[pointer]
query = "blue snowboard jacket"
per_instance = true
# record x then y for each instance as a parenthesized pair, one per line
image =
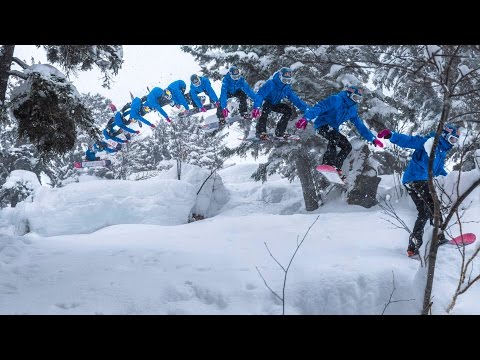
(153, 100)
(119, 122)
(90, 155)
(417, 168)
(178, 88)
(135, 113)
(206, 87)
(274, 91)
(230, 86)
(334, 111)
(106, 135)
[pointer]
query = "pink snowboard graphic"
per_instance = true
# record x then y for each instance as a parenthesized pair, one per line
(330, 174)
(465, 239)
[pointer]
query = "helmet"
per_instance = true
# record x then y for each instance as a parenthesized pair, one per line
(195, 79)
(100, 145)
(144, 109)
(167, 94)
(450, 133)
(286, 75)
(355, 93)
(234, 73)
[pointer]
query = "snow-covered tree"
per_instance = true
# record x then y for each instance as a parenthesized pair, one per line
(319, 71)
(19, 185)
(45, 103)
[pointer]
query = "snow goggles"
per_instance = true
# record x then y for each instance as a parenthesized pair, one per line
(167, 94)
(357, 98)
(196, 81)
(235, 74)
(452, 139)
(286, 77)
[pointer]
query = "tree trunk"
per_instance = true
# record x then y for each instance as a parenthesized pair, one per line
(6, 56)
(432, 252)
(179, 169)
(304, 171)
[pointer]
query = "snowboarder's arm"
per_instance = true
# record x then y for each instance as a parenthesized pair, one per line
(407, 141)
(364, 131)
(322, 106)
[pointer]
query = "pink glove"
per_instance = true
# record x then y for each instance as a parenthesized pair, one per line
(225, 113)
(385, 133)
(153, 126)
(137, 132)
(301, 124)
(202, 109)
(217, 104)
(168, 120)
(112, 107)
(377, 142)
(255, 113)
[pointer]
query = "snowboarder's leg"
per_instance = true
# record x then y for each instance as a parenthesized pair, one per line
(345, 148)
(262, 120)
(330, 155)
(287, 114)
(418, 191)
(242, 99)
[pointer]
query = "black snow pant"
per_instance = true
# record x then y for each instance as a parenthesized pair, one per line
(334, 139)
(420, 194)
(242, 106)
(267, 108)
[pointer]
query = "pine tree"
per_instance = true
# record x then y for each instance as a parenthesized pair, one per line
(320, 71)
(46, 105)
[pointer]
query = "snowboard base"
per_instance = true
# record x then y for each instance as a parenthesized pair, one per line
(464, 239)
(92, 164)
(196, 110)
(330, 173)
(214, 125)
(272, 138)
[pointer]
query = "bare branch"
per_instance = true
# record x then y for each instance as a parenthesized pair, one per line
(390, 301)
(268, 287)
(17, 73)
(22, 64)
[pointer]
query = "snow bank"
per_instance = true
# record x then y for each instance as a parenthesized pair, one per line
(213, 194)
(86, 207)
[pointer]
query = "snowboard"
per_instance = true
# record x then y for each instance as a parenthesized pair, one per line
(196, 110)
(112, 144)
(330, 173)
(91, 164)
(214, 125)
(272, 138)
(460, 240)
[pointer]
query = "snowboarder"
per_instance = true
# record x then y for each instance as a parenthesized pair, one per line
(200, 84)
(90, 154)
(328, 115)
(271, 94)
(234, 85)
(118, 125)
(415, 177)
(157, 98)
(177, 90)
(137, 110)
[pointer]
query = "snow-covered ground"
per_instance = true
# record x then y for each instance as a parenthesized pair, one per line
(125, 247)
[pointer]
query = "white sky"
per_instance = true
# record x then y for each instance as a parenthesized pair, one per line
(124, 247)
(144, 65)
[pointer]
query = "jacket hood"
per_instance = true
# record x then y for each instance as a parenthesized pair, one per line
(344, 95)
(277, 81)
